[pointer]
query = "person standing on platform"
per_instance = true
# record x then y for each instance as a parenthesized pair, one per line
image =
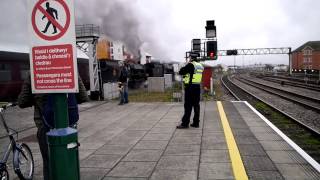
(27, 99)
(123, 80)
(192, 76)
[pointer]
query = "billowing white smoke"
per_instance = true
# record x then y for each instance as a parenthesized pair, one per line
(119, 20)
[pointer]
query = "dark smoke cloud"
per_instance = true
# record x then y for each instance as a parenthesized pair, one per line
(119, 20)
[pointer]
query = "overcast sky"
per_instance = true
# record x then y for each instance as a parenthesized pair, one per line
(165, 27)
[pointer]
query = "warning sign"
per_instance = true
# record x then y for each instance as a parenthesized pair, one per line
(53, 62)
(53, 67)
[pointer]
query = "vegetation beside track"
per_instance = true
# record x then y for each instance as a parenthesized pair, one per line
(303, 138)
(143, 96)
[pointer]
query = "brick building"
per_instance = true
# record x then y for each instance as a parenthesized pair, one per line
(307, 57)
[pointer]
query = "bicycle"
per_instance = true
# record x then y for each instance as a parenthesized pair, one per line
(23, 163)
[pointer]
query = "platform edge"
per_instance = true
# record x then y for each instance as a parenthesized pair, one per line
(306, 156)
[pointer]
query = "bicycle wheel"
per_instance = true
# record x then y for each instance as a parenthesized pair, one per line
(4, 175)
(23, 162)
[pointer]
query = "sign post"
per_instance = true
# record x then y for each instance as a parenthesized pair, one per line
(53, 69)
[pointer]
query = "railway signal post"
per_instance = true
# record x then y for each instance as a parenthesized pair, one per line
(207, 50)
(53, 69)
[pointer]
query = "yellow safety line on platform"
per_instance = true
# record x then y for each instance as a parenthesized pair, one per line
(236, 161)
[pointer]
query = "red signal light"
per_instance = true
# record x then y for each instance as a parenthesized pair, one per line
(211, 55)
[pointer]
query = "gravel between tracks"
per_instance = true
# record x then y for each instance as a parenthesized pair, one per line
(221, 93)
(289, 88)
(302, 114)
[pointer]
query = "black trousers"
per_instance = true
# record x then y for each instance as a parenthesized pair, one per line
(42, 140)
(192, 100)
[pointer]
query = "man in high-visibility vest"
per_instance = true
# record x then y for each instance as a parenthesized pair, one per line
(192, 76)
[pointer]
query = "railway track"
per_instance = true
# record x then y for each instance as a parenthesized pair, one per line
(302, 134)
(291, 83)
(244, 95)
(296, 80)
(309, 102)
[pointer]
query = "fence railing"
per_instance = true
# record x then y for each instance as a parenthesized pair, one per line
(87, 30)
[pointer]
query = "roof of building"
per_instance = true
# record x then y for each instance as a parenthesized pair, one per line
(315, 45)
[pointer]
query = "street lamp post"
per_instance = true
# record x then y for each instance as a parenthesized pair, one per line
(305, 76)
(234, 64)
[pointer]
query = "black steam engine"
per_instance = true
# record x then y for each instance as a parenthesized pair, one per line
(138, 73)
(15, 66)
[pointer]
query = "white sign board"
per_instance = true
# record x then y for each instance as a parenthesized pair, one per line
(53, 57)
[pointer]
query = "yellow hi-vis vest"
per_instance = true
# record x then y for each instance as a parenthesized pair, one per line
(197, 75)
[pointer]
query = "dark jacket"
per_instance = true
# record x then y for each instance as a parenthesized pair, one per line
(123, 75)
(187, 69)
(27, 99)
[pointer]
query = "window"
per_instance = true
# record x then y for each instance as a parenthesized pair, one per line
(307, 52)
(310, 60)
(5, 72)
(310, 66)
(24, 71)
(305, 60)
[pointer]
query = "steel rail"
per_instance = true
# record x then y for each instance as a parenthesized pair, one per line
(316, 100)
(290, 83)
(226, 79)
(272, 91)
(309, 82)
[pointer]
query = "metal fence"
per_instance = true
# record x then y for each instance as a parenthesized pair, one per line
(87, 30)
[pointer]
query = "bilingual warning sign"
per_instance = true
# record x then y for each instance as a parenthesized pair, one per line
(53, 61)
(53, 67)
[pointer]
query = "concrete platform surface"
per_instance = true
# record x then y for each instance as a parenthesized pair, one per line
(139, 141)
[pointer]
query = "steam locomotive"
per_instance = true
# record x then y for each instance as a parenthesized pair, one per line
(14, 68)
(138, 73)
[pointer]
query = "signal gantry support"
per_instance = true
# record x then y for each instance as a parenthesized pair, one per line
(259, 51)
(87, 38)
(255, 51)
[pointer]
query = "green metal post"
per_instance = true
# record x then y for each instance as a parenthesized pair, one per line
(63, 144)
(61, 111)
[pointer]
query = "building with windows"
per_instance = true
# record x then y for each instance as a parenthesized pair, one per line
(306, 57)
(110, 50)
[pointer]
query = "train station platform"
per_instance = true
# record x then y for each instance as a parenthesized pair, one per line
(140, 141)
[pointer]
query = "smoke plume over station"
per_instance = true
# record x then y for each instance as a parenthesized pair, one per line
(119, 20)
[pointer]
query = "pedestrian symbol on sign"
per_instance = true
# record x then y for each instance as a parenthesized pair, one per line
(46, 14)
(51, 11)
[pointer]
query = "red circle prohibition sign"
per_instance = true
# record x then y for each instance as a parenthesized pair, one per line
(63, 29)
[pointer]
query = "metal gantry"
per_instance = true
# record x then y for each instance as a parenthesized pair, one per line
(87, 38)
(258, 51)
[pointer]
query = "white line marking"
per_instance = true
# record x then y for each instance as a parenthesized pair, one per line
(306, 156)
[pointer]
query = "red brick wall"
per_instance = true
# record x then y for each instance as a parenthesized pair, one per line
(297, 60)
(316, 60)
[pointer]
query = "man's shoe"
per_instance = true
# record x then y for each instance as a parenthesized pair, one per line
(194, 125)
(182, 127)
